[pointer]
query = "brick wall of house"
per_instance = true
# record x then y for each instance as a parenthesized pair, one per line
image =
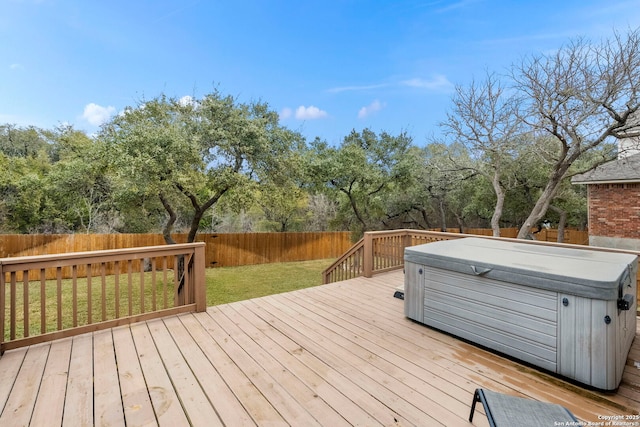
(614, 210)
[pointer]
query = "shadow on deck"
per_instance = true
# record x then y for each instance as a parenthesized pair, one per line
(338, 354)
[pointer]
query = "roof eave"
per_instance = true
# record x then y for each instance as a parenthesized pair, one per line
(609, 181)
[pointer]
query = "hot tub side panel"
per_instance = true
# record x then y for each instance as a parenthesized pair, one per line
(510, 318)
(595, 337)
(414, 291)
(586, 345)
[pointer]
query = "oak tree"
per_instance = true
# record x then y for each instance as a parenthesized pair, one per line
(190, 153)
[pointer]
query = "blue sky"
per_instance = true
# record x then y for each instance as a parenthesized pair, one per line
(326, 66)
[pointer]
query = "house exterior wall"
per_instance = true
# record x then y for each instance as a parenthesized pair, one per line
(614, 215)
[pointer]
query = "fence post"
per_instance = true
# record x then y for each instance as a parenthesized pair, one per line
(199, 279)
(367, 255)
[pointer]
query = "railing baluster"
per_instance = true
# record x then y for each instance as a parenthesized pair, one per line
(59, 297)
(129, 285)
(25, 300)
(188, 264)
(388, 252)
(12, 316)
(176, 281)
(164, 283)
(89, 296)
(74, 294)
(43, 300)
(103, 274)
(153, 284)
(141, 286)
(116, 287)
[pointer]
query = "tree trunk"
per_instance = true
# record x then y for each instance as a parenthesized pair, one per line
(460, 222)
(443, 215)
(356, 211)
(542, 205)
(199, 210)
(497, 212)
(561, 223)
(425, 218)
(168, 226)
(195, 224)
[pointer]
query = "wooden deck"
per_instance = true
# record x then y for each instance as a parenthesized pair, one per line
(338, 354)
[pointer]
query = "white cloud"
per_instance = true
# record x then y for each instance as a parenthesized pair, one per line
(285, 113)
(309, 113)
(438, 82)
(16, 66)
(370, 109)
(96, 114)
(457, 5)
(357, 88)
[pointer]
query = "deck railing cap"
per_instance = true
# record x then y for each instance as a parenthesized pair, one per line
(100, 253)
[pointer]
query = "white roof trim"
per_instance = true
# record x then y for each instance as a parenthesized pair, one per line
(622, 181)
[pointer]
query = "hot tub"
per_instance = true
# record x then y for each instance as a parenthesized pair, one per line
(570, 311)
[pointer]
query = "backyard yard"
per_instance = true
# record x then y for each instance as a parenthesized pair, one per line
(230, 284)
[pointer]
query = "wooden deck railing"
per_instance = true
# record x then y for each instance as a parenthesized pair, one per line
(381, 251)
(348, 266)
(104, 289)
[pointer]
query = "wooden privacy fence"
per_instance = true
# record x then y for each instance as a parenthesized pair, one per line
(234, 249)
(222, 249)
(31, 311)
(571, 236)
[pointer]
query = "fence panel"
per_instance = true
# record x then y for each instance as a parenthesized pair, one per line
(571, 236)
(222, 249)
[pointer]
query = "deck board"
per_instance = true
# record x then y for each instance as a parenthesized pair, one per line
(19, 406)
(49, 407)
(108, 409)
(10, 364)
(227, 406)
(331, 355)
(164, 398)
(78, 401)
(195, 402)
(136, 402)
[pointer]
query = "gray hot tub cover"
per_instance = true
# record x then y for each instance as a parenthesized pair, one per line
(582, 272)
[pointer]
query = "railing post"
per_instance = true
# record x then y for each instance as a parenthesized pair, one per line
(199, 279)
(2, 308)
(406, 242)
(367, 255)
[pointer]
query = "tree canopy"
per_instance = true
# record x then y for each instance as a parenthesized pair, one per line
(190, 154)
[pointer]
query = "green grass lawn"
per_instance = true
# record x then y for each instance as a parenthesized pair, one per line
(229, 284)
